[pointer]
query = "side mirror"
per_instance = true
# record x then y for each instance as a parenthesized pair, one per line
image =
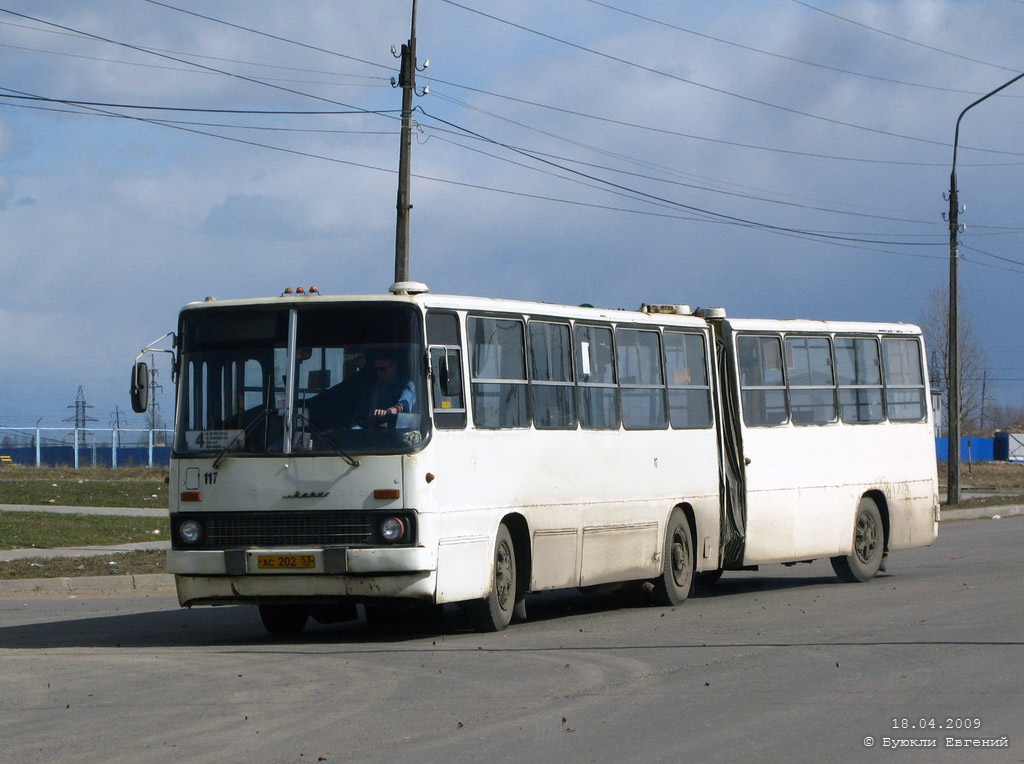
(140, 387)
(451, 375)
(444, 374)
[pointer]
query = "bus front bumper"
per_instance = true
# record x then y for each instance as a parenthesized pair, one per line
(234, 576)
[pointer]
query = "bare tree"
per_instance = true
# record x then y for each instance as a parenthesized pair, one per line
(1009, 417)
(935, 323)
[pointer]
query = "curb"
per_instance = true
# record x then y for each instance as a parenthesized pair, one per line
(61, 509)
(981, 513)
(143, 582)
(9, 555)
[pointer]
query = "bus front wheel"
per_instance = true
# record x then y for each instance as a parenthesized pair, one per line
(676, 581)
(494, 612)
(868, 546)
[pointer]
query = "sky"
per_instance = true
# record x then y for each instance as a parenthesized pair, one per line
(782, 159)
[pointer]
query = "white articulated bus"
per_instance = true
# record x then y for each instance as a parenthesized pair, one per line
(359, 449)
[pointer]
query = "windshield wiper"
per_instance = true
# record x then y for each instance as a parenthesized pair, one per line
(317, 431)
(248, 428)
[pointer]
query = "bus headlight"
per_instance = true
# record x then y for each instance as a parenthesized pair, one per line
(190, 531)
(392, 529)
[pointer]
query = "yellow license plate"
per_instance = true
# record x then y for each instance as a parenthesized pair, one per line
(285, 561)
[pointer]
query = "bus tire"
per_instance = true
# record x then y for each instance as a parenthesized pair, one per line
(868, 546)
(675, 583)
(494, 612)
(283, 620)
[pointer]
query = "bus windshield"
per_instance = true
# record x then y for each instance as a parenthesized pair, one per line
(309, 379)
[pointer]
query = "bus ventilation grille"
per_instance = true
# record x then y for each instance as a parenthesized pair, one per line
(291, 529)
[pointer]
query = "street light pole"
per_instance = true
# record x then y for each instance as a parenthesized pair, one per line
(952, 332)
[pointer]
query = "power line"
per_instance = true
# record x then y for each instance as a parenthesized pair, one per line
(691, 208)
(712, 88)
(903, 39)
(805, 235)
(169, 122)
(382, 83)
(341, 55)
(181, 61)
(692, 136)
(143, 107)
(644, 196)
(268, 35)
(622, 157)
(786, 58)
(344, 56)
(702, 188)
(209, 57)
(163, 123)
(794, 233)
(723, 219)
(989, 254)
(812, 236)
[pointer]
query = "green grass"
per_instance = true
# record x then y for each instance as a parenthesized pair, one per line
(1007, 476)
(125, 563)
(22, 530)
(88, 487)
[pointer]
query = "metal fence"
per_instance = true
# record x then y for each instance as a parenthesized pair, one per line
(85, 447)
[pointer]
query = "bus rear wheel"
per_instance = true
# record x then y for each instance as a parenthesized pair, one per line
(282, 620)
(868, 546)
(676, 581)
(494, 612)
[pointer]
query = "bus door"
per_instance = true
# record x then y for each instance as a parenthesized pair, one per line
(731, 473)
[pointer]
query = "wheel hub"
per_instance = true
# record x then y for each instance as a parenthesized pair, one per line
(867, 538)
(503, 576)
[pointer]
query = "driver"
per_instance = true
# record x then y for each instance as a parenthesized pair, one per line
(389, 395)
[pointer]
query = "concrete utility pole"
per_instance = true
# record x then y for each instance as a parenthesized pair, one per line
(407, 82)
(953, 375)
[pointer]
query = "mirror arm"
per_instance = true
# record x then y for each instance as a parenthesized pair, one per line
(174, 356)
(150, 349)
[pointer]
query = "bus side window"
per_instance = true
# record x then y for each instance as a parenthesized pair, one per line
(447, 392)
(595, 368)
(860, 380)
(498, 367)
(641, 381)
(551, 380)
(761, 379)
(904, 379)
(689, 395)
(812, 393)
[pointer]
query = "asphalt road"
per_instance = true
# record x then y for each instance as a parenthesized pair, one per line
(784, 665)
